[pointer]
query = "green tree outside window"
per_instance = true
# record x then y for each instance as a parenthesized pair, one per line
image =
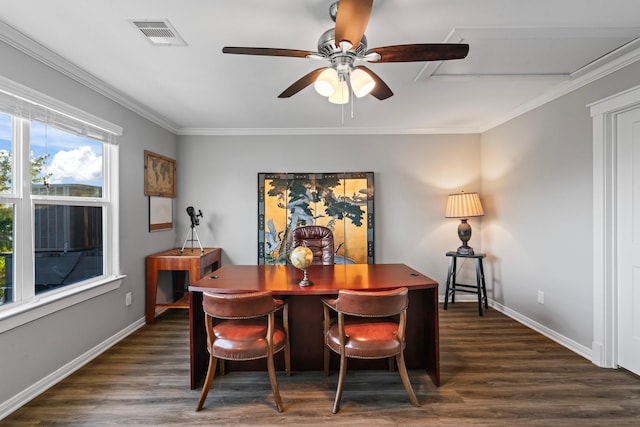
(6, 211)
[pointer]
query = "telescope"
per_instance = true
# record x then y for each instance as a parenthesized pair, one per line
(194, 217)
(194, 223)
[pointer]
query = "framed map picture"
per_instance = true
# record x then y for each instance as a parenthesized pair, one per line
(159, 175)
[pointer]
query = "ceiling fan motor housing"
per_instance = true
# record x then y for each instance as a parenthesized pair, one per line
(327, 44)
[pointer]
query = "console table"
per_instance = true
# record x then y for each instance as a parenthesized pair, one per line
(192, 260)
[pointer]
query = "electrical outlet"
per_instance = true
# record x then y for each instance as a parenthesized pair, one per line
(127, 299)
(540, 297)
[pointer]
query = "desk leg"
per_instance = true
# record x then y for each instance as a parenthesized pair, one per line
(199, 357)
(197, 340)
(432, 334)
(152, 289)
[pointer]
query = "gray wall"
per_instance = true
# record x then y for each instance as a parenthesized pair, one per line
(413, 175)
(31, 352)
(537, 185)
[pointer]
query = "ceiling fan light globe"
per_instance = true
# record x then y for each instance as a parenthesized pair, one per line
(323, 88)
(361, 82)
(326, 82)
(341, 95)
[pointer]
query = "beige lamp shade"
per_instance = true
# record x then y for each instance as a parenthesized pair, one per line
(463, 205)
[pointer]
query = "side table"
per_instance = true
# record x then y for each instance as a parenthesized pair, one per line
(479, 288)
(194, 261)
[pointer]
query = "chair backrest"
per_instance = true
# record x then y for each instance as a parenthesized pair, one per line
(372, 303)
(317, 238)
(238, 306)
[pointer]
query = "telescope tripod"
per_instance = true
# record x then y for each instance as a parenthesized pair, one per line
(197, 239)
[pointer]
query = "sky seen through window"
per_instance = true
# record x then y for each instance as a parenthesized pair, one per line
(71, 159)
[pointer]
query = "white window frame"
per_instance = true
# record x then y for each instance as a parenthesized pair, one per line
(27, 306)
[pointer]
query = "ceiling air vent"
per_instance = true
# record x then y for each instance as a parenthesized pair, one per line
(159, 32)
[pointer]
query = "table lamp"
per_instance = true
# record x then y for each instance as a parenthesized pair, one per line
(464, 205)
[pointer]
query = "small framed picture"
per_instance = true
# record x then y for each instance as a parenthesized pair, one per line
(160, 213)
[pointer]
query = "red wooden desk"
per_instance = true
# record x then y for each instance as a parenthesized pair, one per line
(305, 310)
(192, 260)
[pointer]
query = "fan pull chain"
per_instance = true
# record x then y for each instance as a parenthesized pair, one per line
(352, 99)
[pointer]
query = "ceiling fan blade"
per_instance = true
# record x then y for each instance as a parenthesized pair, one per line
(351, 20)
(267, 51)
(421, 52)
(381, 90)
(301, 83)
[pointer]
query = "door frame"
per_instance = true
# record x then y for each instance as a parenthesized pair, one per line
(604, 113)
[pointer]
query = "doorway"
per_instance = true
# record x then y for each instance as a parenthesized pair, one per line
(628, 239)
(616, 269)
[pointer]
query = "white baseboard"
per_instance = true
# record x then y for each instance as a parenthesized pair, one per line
(577, 348)
(55, 377)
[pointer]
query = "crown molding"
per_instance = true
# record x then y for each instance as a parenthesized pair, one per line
(320, 131)
(30, 47)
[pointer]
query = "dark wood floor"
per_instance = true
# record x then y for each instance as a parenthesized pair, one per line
(495, 372)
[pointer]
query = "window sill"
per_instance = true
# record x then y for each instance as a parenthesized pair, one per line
(18, 314)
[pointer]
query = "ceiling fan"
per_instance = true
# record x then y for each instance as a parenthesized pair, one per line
(344, 47)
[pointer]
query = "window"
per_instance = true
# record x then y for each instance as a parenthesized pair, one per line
(68, 244)
(58, 200)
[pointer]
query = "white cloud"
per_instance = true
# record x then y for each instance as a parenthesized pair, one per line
(79, 166)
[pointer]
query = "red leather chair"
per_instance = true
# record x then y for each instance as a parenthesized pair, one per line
(370, 325)
(317, 238)
(243, 327)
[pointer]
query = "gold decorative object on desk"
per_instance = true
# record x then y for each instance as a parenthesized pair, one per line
(301, 258)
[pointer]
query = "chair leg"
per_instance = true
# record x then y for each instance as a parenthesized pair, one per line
(343, 371)
(274, 383)
(287, 359)
(211, 371)
(325, 329)
(326, 360)
(402, 368)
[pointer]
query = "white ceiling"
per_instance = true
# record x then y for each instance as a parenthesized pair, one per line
(522, 52)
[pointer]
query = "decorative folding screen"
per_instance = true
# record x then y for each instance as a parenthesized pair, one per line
(342, 202)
